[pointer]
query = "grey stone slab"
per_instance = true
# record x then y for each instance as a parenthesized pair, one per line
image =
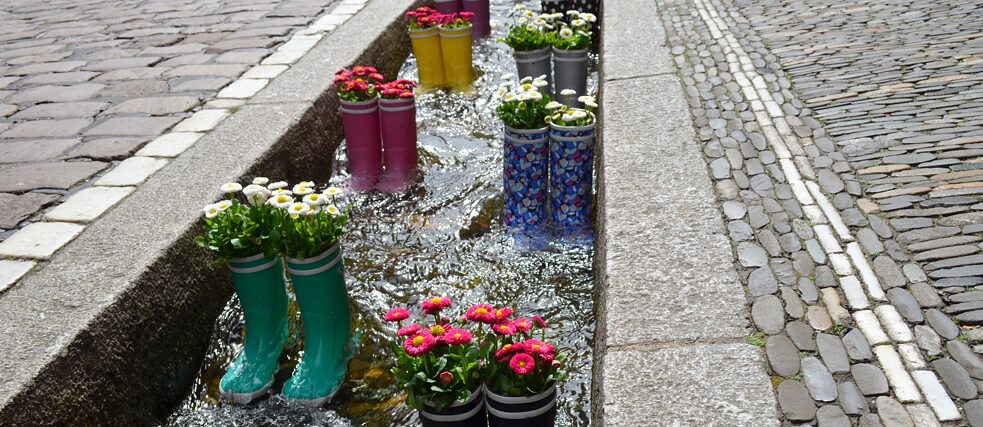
(869, 378)
(833, 353)
(762, 281)
(795, 402)
(16, 208)
(832, 416)
(720, 384)
(783, 357)
(956, 379)
(60, 175)
(624, 56)
(888, 271)
(974, 413)
(851, 400)
(892, 413)
(941, 323)
(661, 275)
(768, 314)
(925, 295)
(818, 380)
(906, 304)
(966, 357)
(857, 346)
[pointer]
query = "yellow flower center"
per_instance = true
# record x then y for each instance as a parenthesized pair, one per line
(436, 329)
(418, 340)
(435, 300)
(535, 347)
(457, 335)
(481, 311)
(522, 364)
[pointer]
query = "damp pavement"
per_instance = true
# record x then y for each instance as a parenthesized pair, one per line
(845, 144)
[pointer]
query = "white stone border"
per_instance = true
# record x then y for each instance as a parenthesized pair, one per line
(39, 241)
(795, 165)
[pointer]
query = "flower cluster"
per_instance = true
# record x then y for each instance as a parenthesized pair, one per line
(528, 31)
(359, 84)
(425, 17)
(522, 105)
(562, 115)
(574, 32)
(531, 31)
(521, 364)
(396, 89)
(435, 361)
(299, 222)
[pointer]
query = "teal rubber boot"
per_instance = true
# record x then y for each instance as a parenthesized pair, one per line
(262, 294)
(319, 283)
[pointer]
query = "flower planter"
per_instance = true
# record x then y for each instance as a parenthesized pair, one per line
(555, 6)
(262, 295)
(571, 179)
(398, 118)
(535, 63)
(525, 180)
(466, 413)
(319, 284)
(429, 60)
(527, 411)
(447, 6)
(364, 142)
(455, 46)
(481, 20)
(570, 72)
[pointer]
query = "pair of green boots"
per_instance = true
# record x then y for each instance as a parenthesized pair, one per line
(319, 285)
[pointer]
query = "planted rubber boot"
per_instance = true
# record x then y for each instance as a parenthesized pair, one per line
(262, 294)
(319, 284)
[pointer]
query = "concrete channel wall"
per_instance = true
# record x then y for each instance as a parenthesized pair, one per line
(672, 315)
(112, 330)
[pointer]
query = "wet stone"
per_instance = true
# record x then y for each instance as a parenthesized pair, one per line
(808, 290)
(818, 380)
(734, 209)
(768, 314)
(790, 242)
(761, 281)
(751, 255)
(801, 335)
(850, 399)
(830, 181)
(869, 378)
(941, 324)
(974, 413)
(770, 242)
(870, 241)
(914, 273)
(832, 416)
(782, 355)
(833, 354)
(966, 357)
(892, 413)
(816, 251)
(906, 304)
(793, 304)
(925, 295)
(955, 378)
(963, 307)
(856, 346)
(971, 317)
(888, 271)
(783, 270)
(739, 230)
(794, 400)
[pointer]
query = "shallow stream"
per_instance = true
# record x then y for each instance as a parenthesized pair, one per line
(444, 236)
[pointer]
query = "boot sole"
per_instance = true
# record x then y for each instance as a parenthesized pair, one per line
(244, 398)
(317, 403)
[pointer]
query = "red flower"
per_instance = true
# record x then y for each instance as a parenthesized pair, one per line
(439, 330)
(522, 364)
(419, 344)
(506, 329)
(435, 304)
(377, 77)
(482, 313)
(534, 347)
(539, 321)
(397, 314)
(466, 16)
(507, 350)
(503, 314)
(406, 94)
(408, 330)
(457, 337)
(360, 70)
(446, 377)
(522, 324)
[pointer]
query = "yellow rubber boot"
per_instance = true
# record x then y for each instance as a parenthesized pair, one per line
(429, 60)
(455, 45)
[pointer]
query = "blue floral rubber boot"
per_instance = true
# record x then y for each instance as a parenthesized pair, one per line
(571, 182)
(319, 284)
(526, 185)
(262, 294)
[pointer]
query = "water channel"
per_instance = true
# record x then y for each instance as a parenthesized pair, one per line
(444, 236)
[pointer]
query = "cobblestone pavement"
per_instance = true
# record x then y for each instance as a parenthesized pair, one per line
(845, 140)
(86, 84)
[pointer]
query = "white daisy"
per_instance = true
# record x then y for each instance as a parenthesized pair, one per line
(566, 33)
(282, 201)
(314, 199)
(589, 17)
(585, 98)
(522, 97)
(535, 96)
(231, 187)
(314, 210)
(540, 83)
(591, 104)
(552, 105)
(299, 208)
(568, 92)
(579, 114)
(509, 97)
(301, 190)
(531, 27)
(525, 80)
(256, 194)
(222, 205)
(508, 76)
(283, 191)
(306, 183)
(211, 211)
(523, 20)
(332, 210)
(573, 13)
(277, 185)
(261, 180)
(333, 191)
(529, 14)
(578, 23)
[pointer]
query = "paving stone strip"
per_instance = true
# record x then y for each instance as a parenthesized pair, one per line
(89, 92)
(864, 234)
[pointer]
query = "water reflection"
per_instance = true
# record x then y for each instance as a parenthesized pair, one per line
(442, 236)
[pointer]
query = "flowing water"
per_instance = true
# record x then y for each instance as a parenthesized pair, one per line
(442, 237)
